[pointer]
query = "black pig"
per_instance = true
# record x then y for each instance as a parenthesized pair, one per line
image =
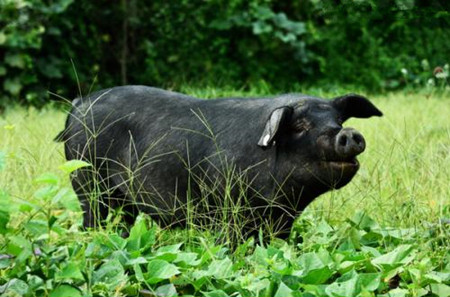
(162, 152)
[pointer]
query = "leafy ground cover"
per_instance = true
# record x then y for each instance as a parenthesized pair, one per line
(385, 234)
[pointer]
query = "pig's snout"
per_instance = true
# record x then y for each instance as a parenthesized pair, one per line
(349, 143)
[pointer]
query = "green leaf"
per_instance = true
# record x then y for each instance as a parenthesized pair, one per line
(48, 178)
(14, 286)
(72, 165)
(440, 290)
(187, 259)
(70, 271)
(370, 281)
(315, 270)
(346, 285)
(261, 27)
(138, 273)
(65, 291)
(5, 207)
(16, 60)
(363, 221)
(135, 261)
(283, 291)
(159, 270)
(260, 256)
(35, 282)
(110, 273)
(401, 255)
(220, 269)
(398, 293)
(215, 293)
(37, 227)
(256, 285)
(168, 252)
(12, 85)
(20, 247)
(140, 237)
(166, 291)
(46, 193)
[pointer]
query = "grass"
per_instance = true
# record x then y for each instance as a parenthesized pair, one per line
(399, 197)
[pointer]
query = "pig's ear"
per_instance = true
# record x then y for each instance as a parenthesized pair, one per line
(273, 126)
(352, 105)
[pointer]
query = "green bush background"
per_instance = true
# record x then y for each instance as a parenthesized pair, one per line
(67, 46)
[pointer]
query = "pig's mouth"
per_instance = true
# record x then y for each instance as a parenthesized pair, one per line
(344, 165)
(338, 173)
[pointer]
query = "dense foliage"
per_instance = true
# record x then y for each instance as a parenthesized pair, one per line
(67, 46)
(46, 255)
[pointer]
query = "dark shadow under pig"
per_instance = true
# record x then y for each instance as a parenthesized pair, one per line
(186, 160)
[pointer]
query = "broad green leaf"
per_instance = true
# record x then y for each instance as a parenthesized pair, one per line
(397, 293)
(110, 273)
(48, 178)
(13, 287)
(370, 281)
(140, 237)
(46, 193)
(68, 199)
(35, 282)
(135, 261)
(6, 261)
(363, 221)
(283, 291)
(138, 273)
(115, 241)
(443, 276)
(315, 268)
(281, 266)
(256, 285)
(323, 228)
(168, 252)
(346, 285)
(215, 293)
(70, 271)
(159, 270)
(401, 255)
(187, 259)
(260, 256)
(65, 291)
(440, 290)
(37, 227)
(20, 247)
(169, 248)
(220, 269)
(168, 290)
(72, 165)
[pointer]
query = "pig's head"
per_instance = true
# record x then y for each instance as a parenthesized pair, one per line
(314, 153)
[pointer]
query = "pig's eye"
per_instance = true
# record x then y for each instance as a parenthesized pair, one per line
(301, 126)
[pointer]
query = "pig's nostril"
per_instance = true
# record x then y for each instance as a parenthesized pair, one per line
(343, 140)
(358, 138)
